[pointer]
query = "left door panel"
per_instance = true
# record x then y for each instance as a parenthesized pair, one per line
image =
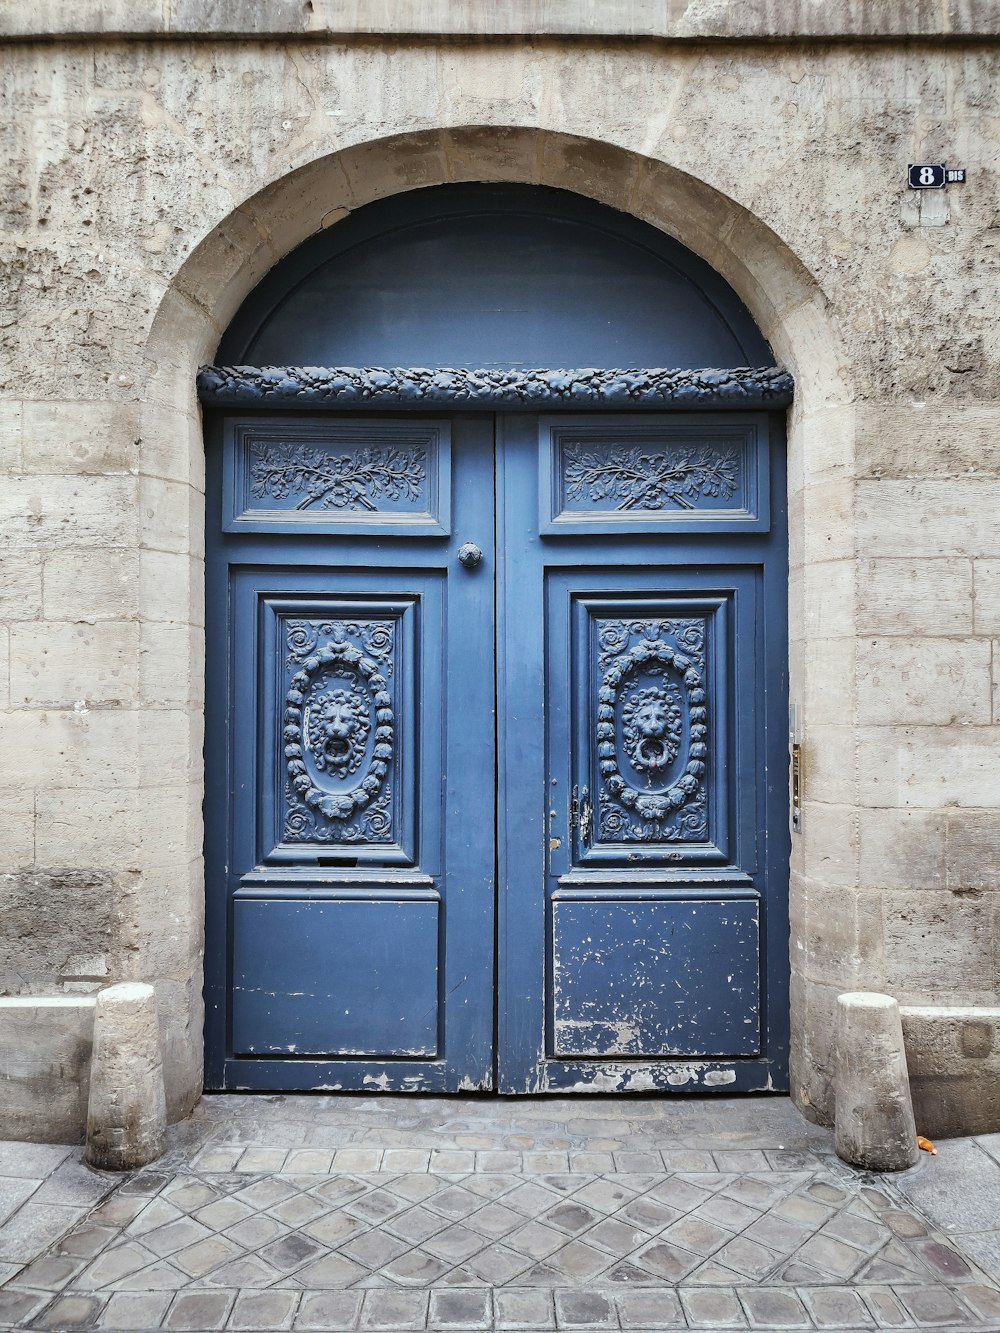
(349, 753)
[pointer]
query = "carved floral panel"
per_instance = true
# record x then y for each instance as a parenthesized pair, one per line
(623, 476)
(651, 730)
(346, 476)
(339, 731)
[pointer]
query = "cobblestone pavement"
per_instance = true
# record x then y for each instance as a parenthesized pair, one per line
(397, 1213)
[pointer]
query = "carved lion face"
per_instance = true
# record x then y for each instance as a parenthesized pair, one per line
(338, 726)
(652, 718)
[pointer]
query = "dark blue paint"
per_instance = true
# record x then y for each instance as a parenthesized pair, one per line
(654, 977)
(492, 275)
(335, 978)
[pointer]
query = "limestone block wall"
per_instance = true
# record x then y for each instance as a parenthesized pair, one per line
(150, 178)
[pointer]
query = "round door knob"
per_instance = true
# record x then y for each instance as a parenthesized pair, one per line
(469, 555)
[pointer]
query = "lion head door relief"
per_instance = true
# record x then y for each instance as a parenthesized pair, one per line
(652, 731)
(338, 732)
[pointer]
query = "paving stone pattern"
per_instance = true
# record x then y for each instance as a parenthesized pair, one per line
(316, 1214)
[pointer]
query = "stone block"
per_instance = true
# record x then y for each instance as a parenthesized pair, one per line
(909, 440)
(986, 582)
(171, 588)
(939, 943)
(46, 513)
(902, 849)
(929, 766)
(973, 857)
(65, 437)
(925, 681)
(17, 818)
(953, 1054)
(20, 585)
(171, 665)
(126, 1108)
(935, 518)
(78, 747)
(828, 681)
(91, 585)
(873, 1123)
(172, 517)
(828, 593)
(50, 915)
(915, 597)
(45, 1044)
(60, 665)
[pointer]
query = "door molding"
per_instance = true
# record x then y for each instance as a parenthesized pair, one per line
(299, 387)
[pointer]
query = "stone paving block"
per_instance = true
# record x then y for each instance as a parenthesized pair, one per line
(416, 1268)
(394, 1309)
(131, 1310)
(332, 1271)
(356, 1159)
(461, 1309)
(772, 1308)
(497, 1264)
(70, 1312)
(570, 1216)
(416, 1224)
(328, 1310)
(265, 1310)
(32, 1228)
(746, 1257)
(692, 1233)
(50, 1273)
(984, 1300)
(523, 1308)
(18, 1306)
(14, 1191)
(885, 1307)
(932, 1306)
(535, 1239)
(491, 1161)
(256, 1160)
(204, 1255)
(544, 1163)
(585, 1309)
(831, 1256)
(33, 1161)
(451, 1162)
(199, 1310)
(740, 1160)
(309, 1161)
(836, 1307)
(713, 1308)
(667, 1261)
(651, 1309)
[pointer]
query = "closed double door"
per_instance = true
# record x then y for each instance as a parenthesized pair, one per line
(496, 761)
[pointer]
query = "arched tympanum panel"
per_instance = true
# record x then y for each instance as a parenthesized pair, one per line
(483, 276)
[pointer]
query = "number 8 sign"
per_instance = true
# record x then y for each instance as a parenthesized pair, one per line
(927, 175)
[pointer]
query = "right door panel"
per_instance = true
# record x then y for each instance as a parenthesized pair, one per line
(643, 633)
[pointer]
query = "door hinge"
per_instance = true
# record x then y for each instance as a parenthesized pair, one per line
(580, 812)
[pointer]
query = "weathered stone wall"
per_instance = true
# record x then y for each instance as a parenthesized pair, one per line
(148, 184)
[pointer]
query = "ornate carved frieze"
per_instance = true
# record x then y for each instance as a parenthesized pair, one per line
(651, 730)
(338, 731)
(636, 477)
(355, 479)
(302, 386)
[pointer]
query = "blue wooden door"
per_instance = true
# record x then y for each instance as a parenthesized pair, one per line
(350, 753)
(630, 636)
(643, 695)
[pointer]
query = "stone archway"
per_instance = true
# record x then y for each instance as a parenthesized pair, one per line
(789, 308)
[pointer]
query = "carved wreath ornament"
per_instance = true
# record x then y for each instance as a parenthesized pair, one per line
(652, 729)
(334, 726)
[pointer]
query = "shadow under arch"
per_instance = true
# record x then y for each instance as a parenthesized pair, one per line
(784, 298)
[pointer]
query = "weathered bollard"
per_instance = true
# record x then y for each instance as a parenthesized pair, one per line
(874, 1113)
(126, 1113)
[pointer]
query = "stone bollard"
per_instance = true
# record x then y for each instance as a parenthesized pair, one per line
(874, 1113)
(126, 1114)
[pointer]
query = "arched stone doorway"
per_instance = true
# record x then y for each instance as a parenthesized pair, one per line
(497, 658)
